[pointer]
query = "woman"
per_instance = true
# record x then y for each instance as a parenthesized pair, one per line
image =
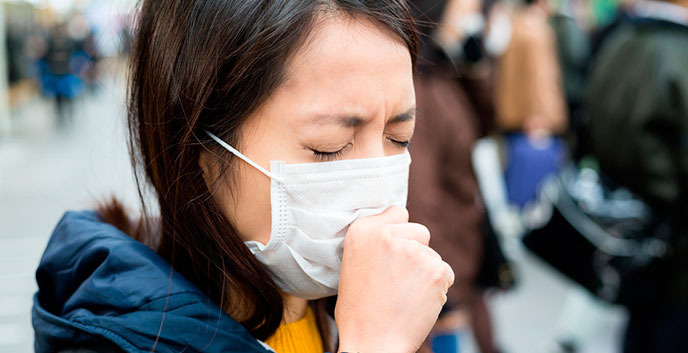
(274, 135)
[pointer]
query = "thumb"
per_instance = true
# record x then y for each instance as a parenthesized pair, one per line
(392, 215)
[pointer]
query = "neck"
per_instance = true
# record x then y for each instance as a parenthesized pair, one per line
(294, 308)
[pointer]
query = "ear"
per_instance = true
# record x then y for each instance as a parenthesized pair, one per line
(208, 167)
(203, 160)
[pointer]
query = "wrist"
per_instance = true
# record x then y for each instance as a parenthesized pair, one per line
(390, 346)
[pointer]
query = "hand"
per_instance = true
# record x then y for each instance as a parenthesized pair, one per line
(392, 285)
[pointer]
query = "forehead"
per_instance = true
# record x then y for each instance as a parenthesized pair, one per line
(350, 58)
(348, 41)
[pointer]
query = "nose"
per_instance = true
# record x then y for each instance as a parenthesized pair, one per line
(374, 144)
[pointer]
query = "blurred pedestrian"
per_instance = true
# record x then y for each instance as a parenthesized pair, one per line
(638, 131)
(529, 95)
(57, 77)
(443, 191)
(86, 54)
(530, 103)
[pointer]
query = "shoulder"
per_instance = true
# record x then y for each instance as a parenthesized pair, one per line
(96, 284)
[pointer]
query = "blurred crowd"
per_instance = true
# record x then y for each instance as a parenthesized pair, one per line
(563, 125)
(56, 53)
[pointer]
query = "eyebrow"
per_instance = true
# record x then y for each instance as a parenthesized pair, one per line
(355, 121)
(409, 115)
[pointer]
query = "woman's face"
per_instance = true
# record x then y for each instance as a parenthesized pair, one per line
(348, 94)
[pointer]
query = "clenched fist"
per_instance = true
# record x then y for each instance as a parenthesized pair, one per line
(392, 285)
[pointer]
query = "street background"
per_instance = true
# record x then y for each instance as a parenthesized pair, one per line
(51, 163)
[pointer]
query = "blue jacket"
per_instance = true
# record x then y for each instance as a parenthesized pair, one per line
(96, 285)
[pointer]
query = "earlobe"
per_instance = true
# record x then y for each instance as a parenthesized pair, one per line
(211, 170)
(205, 164)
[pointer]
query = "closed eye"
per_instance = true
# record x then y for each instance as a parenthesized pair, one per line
(324, 156)
(400, 143)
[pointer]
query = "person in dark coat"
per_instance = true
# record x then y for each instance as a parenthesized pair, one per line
(638, 130)
(443, 190)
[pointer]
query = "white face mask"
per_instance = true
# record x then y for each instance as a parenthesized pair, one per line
(313, 205)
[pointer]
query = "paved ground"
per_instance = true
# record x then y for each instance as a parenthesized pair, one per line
(545, 307)
(45, 171)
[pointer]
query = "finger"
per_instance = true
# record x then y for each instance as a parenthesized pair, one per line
(411, 231)
(392, 215)
(425, 251)
(450, 273)
(430, 252)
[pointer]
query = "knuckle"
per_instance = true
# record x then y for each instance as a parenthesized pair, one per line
(440, 273)
(436, 274)
(357, 233)
(400, 213)
(435, 254)
(424, 232)
(404, 213)
(410, 252)
(386, 237)
(423, 229)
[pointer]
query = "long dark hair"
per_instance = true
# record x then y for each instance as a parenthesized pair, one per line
(208, 64)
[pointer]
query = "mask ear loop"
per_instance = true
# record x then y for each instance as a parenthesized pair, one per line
(244, 158)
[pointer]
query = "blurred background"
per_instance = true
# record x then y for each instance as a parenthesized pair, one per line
(62, 133)
(520, 76)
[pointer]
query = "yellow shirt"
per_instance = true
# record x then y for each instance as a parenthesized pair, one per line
(300, 336)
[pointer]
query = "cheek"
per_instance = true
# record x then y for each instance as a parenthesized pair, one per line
(247, 204)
